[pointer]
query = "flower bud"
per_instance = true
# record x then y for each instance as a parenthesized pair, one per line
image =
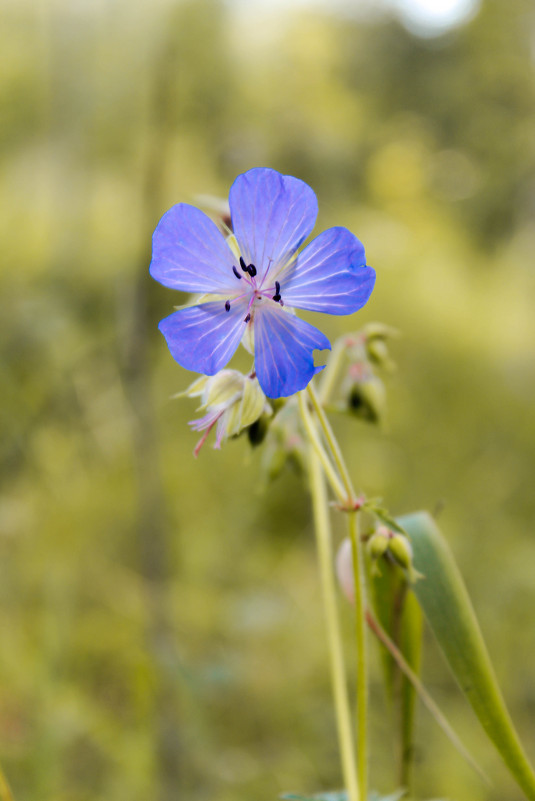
(378, 543)
(218, 207)
(401, 551)
(344, 569)
(367, 399)
(379, 331)
(377, 546)
(378, 352)
(232, 402)
(375, 337)
(257, 431)
(284, 443)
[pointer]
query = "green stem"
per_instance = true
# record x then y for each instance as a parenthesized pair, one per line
(362, 654)
(333, 446)
(350, 503)
(338, 672)
(315, 441)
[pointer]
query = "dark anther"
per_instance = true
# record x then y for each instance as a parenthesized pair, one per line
(227, 305)
(247, 268)
(236, 273)
(277, 295)
(247, 318)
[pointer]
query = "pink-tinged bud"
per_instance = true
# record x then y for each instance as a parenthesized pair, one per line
(217, 207)
(344, 569)
(367, 399)
(232, 402)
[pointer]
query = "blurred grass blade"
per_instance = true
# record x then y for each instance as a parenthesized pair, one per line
(5, 792)
(447, 607)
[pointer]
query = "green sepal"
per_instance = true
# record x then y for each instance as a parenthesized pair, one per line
(449, 612)
(372, 506)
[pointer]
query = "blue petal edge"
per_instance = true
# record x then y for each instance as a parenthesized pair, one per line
(284, 346)
(330, 275)
(272, 215)
(190, 253)
(204, 338)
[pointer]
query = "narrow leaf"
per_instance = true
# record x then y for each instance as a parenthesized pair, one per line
(401, 618)
(411, 648)
(447, 607)
(384, 587)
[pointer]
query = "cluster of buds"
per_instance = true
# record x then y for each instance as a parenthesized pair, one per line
(383, 543)
(391, 544)
(232, 402)
(358, 357)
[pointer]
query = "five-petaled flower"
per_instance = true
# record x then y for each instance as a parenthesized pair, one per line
(256, 285)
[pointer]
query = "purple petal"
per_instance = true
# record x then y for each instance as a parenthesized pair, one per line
(272, 215)
(190, 253)
(204, 338)
(284, 346)
(330, 275)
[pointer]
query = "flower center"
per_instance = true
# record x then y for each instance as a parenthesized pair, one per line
(256, 293)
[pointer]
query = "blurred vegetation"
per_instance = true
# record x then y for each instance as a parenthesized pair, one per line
(161, 635)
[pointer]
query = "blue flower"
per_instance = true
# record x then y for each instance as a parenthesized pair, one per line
(256, 277)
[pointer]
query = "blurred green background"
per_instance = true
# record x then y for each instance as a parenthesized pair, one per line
(161, 634)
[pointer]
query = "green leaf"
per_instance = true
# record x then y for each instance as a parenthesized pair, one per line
(447, 607)
(385, 586)
(401, 617)
(411, 648)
